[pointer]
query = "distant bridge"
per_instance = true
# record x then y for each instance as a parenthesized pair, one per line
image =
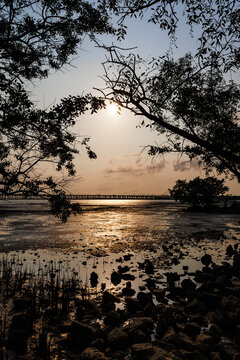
(91, 197)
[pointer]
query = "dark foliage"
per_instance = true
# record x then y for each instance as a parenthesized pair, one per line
(192, 106)
(198, 191)
(37, 36)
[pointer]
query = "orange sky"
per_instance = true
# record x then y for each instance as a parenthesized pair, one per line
(122, 166)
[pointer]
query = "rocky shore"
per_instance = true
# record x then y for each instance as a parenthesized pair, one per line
(193, 318)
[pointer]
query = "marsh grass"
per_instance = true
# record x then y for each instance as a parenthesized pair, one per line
(34, 306)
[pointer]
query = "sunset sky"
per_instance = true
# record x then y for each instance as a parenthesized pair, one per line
(122, 166)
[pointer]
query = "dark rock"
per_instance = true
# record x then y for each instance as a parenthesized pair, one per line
(116, 278)
(108, 301)
(207, 285)
(172, 337)
(123, 269)
(146, 351)
(175, 261)
(112, 318)
(144, 298)
(98, 344)
(81, 334)
(128, 277)
(140, 337)
(94, 279)
(93, 354)
(222, 282)
(117, 337)
(215, 356)
(237, 335)
(229, 303)
(127, 257)
(151, 284)
(159, 293)
(128, 291)
(165, 320)
(118, 355)
(142, 351)
(210, 300)
(195, 307)
(142, 323)
(206, 259)
(88, 306)
(215, 331)
(165, 248)
(205, 339)
(150, 310)
(227, 351)
(149, 267)
(188, 284)
(133, 305)
(172, 277)
(229, 250)
(192, 329)
(186, 342)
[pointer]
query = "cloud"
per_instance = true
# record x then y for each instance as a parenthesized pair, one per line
(119, 158)
(186, 165)
(133, 171)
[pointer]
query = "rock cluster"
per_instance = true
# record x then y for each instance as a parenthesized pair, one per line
(202, 322)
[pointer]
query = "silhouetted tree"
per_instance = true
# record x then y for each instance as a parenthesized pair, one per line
(37, 36)
(193, 106)
(198, 191)
(216, 21)
(188, 100)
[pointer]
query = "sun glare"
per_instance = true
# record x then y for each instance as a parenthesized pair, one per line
(113, 109)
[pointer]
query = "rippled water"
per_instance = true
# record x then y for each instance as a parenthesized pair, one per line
(106, 225)
(98, 239)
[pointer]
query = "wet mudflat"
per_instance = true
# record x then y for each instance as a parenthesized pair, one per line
(172, 295)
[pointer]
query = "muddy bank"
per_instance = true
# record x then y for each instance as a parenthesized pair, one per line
(172, 315)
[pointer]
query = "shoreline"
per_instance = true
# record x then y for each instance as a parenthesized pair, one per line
(172, 315)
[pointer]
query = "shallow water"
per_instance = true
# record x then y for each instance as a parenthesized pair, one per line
(106, 225)
(32, 240)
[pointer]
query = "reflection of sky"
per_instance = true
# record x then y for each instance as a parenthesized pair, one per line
(110, 225)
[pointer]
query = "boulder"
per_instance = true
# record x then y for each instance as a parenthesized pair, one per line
(112, 318)
(117, 337)
(94, 279)
(215, 331)
(128, 277)
(108, 301)
(81, 334)
(145, 324)
(188, 285)
(230, 303)
(93, 354)
(116, 278)
(210, 300)
(140, 337)
(146, 351)
(192, 329)
(144, 298)
(133, 305)
(227, 351)
(206, 259)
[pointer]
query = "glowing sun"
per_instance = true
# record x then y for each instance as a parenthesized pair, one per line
(113, 108)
